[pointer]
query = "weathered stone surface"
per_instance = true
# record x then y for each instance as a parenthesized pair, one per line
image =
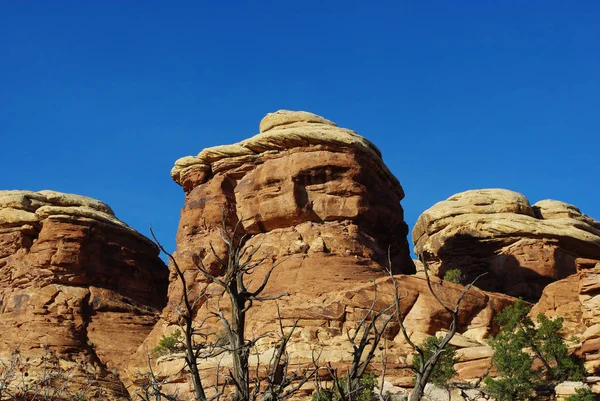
(321, 204)
(285, 117)
(577, 299)
(311, 193)
(521, 247)
(393, 393)
(435, 393)
(279, 131)
(325, 319)
(567, 389)
(75, 279)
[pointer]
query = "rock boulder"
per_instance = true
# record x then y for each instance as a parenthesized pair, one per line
(577, 300)
(521, 247)
(75, 282)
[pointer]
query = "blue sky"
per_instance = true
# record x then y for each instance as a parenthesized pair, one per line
(100, 98)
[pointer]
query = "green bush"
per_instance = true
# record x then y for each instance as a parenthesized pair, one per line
(518, 345)
(366, 391)
(168, 344)
(324, 394)
(554, 349)
(453, 276)
(583, 394)
(513, 388)
(444, 369)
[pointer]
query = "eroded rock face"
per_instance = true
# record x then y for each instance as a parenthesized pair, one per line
(313, 194)
(322, 205)
(521, 247)
(577, 300)
(324, 320)
(75, 279)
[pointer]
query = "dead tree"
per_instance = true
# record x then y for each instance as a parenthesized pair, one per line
(280, 384)
(236, 268)
(427, 365)
(238, 265)
(150, 387)
(193, 352)
(22, 380)
(364, 340)
(9, 370)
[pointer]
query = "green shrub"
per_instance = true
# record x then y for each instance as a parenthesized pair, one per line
(583, 394)
(168, 344)
(444, 369)
(324, 394)
(518, 344)
(554, 349)
(366, 390)
(511, 388)
(453, 276)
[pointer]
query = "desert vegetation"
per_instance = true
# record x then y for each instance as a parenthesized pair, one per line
(55, 379)
(433, 361)
(530, 357)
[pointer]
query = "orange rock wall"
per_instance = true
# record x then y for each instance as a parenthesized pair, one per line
(88, 290)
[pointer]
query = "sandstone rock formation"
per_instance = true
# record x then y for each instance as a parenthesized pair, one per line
(522, 247)
(567, 389)
(319, 201)
(577, 300)
(75, 279)
(311, 193)
(324, 321)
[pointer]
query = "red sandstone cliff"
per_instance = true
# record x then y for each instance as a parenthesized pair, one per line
(78, 281)
(522, 247)
(320, 201)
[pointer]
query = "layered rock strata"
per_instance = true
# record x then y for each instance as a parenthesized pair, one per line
(76, 283)
(577, 300)
(320, 203)
(314, 195)
(521, 247)
(323, 322)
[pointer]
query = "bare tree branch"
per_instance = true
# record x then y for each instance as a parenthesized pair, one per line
(427, 365)
(191, 358)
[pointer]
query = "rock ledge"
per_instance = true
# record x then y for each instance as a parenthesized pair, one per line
(279, 131)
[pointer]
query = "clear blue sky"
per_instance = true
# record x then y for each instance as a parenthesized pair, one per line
(100, 98)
